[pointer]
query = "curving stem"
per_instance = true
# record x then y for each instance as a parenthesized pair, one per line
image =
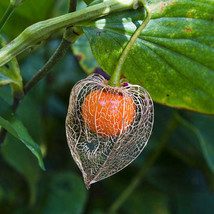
(115, 78)
(41, 30)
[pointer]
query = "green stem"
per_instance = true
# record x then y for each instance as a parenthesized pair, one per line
(70, 36)
(145, 168)
(183, 157)
(41, 30)
(115, 78)
(32, 192)
(6, 15)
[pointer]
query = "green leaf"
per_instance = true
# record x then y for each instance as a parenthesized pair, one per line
(9, 121)
(63, 192)
(202, 126)
(172, 58)
(205, 126)
(82, 51)
(184, 145)
(18, 156)
(10, 74)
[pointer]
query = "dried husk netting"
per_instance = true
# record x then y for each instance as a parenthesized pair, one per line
(97, 154)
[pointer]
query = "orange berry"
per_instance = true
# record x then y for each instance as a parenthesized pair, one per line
(108, 113)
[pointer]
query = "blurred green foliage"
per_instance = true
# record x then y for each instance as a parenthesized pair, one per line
(181, 181)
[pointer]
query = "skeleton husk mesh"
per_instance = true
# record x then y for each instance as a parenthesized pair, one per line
(101, 151)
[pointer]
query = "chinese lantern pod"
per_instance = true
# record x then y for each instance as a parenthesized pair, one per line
(107, 127)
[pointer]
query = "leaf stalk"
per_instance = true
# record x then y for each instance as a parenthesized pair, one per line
(115, 78)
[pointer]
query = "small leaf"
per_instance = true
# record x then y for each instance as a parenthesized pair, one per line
(15, 127)
(173, 56)
(81, 49)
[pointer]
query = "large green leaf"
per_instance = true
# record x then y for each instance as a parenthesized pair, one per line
(15, 127)
(172, 58)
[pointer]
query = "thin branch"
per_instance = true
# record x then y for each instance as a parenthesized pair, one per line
(59, 53)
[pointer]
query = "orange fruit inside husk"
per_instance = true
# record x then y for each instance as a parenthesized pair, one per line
(108, 113)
